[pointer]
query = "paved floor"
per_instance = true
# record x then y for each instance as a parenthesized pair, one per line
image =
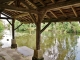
(21, 53)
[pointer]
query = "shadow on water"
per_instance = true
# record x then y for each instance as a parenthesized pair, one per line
(55, 46)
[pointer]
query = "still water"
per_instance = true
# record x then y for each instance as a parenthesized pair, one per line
(58, 46)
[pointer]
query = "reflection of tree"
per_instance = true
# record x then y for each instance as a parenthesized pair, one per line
(65, 47)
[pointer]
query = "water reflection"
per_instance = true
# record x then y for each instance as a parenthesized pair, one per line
(55, 46)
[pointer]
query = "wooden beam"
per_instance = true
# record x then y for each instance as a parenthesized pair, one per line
(10, 2)
(53, 14)
(38, 35)
(62, 12)
(5, 15)
(68, 19)
(18, 26)
(9, 22)
(30, 1)
(53, 1)
(20, 15)
(74, 11)
(5, 18)
(45, 27)
(27, 5)
(61, 4)
(13, 8)
(13, 33)
(33, 18)
(41, 2)
(4, 1)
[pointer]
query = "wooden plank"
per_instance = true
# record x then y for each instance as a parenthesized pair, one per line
(13, 8)
(61, 4)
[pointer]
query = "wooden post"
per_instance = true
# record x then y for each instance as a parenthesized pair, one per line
(13, 21)
(38, 27)
(13, 45)
(38, 53)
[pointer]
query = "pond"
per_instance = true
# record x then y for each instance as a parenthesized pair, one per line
(56, 46)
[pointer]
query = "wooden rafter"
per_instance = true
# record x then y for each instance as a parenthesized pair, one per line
(32, 17)
(53, 14)
(27, 5)
(31, 3)
(13, 8)
(47, 16)
(61, 5)
(63, 12)
(41, 2)
(20, 15)
(74, 11)
(4, 1)
(53, 1)
(10, 2)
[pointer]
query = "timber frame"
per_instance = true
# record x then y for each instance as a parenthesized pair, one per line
(40, 11)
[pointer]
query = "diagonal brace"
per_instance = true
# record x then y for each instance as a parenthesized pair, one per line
(45, 27)
(18, 26)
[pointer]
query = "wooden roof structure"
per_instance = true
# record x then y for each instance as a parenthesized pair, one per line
(31, 11)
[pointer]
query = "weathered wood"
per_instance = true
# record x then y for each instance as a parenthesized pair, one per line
(13, 21)
(74, 11)
(20, 15)
(41, 2)
(4, 18)
(18, 26)
(9, 22)
(61, 5)
(18, 9)
(5, 15)
(38, 27)
(63, 13)
(45, 27)
(53, 1)
(4, 1)
(53, 14)
(33, 18)
(68, 19)
(31, 3)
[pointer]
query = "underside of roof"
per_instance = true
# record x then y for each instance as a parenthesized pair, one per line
(31, 11)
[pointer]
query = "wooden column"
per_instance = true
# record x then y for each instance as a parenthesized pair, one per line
(13, 45)
(13, 21)
(38, 35)
(38, 53)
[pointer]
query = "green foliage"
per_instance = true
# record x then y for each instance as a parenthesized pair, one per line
(1, 26)
(65, 27)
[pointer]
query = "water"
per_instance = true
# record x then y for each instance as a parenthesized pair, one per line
(55, 46)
